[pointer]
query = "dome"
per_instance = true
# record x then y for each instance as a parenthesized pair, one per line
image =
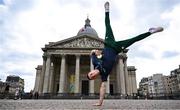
(87, 30)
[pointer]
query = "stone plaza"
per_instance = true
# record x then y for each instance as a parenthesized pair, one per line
(84, 104)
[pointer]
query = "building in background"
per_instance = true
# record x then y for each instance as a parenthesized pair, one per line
(143, 87)
(15, 82)
(153, 86)
(175, 81)
(67, 62)
(160, 86)
(2, 86)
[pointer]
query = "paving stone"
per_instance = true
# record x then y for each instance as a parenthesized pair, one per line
(87, 104)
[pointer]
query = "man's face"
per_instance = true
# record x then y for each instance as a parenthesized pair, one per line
(98, 52)
(93, 74)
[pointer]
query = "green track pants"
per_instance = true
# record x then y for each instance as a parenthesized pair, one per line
(119, 45)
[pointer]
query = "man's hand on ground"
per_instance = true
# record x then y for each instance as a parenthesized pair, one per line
(97, 104)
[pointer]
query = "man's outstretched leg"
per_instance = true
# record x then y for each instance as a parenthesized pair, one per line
(120, 45)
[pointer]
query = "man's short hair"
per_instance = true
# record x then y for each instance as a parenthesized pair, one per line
(88, 77)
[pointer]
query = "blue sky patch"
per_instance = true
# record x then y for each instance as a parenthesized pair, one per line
(1, 2)
(168, 54)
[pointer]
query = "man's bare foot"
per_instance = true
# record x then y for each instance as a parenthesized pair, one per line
(155, 30)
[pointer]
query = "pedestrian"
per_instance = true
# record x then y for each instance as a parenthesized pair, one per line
(31, 94)
(103, 61)
(20, 93)
(16, 94)
(36, 95)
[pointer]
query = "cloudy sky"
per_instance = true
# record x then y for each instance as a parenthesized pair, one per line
(27, 25)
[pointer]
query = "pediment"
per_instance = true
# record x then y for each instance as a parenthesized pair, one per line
(78, 42)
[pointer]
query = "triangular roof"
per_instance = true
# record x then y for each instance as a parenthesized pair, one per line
(76, 42)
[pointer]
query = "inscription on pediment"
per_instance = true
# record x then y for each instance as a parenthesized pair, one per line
(82, 43)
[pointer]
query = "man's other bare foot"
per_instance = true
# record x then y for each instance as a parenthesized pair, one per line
(106, 6)
(155, 30)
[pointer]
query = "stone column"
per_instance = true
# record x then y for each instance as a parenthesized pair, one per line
(51, 78)
(126, 75)
(118, 83)
(122, 77)
(47, 72)
(134, 81)
(91, 87)
(77, 74)
(62, 75)
(131, 84)
(37, 80)
(41, 83)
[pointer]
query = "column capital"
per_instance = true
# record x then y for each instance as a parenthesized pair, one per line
(44, 58)
(63, 54)
(131, 68)
(125, 56)
(77, 55)
(46, 55)
(122, 56)
(125, 50)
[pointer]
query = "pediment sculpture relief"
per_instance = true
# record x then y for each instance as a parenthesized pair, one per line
(83, 43)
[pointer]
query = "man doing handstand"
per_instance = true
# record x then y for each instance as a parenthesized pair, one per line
(103, 61)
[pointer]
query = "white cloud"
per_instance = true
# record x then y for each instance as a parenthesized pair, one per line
(157, 45)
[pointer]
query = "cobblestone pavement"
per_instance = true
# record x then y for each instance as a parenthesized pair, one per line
(87, 104)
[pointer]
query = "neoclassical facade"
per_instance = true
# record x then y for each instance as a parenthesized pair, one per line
(67, 62)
